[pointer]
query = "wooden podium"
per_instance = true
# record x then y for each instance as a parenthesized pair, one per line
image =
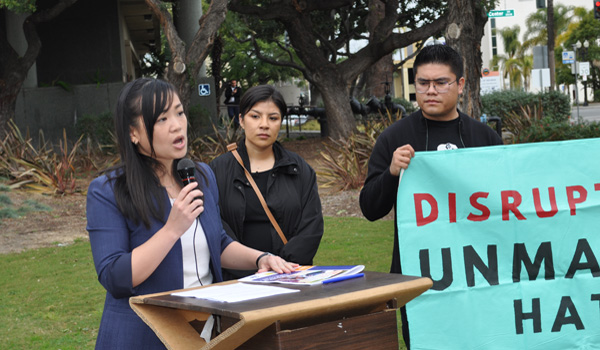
(353, 314)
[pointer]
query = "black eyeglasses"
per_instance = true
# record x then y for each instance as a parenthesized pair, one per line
(441, 86)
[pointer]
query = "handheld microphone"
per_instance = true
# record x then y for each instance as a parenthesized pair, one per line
(186, 168)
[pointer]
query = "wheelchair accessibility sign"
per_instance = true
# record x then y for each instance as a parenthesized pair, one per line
(204, 89)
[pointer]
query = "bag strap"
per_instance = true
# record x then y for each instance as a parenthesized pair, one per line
(233, 149)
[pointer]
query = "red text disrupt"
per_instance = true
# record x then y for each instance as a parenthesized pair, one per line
(510, 202)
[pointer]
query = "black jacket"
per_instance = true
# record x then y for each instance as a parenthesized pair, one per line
(292, 196)
(378, 196)
(236, 96)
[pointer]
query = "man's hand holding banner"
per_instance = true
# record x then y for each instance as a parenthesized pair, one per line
(510, 235)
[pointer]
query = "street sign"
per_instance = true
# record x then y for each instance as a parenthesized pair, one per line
(204, 89)
(568, 57)
(540, 78)
(584, 68)
(501, 13)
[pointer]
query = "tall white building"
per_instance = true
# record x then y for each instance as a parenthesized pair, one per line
(493, 45)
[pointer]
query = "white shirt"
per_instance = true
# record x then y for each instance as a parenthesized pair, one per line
(195, 256)
(232, 98)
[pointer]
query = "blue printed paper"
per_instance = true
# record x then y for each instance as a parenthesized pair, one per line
(510, 235)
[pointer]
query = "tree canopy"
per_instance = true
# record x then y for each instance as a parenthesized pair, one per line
(320, 33)
(236, 59)
(19, 6)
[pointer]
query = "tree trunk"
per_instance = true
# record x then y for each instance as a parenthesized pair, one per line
(13, 66)
(378, 76)
(469, 18)
(316, 98)
(8, 103)
(340, 119)
(216, 66)
(186, 62)
(11, 81)
(335, 93)
(356, 90)
(381, 72)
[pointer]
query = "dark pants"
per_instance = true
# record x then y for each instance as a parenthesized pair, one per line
(405, 334)
(234, 113)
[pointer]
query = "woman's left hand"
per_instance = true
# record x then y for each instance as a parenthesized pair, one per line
(275, 263)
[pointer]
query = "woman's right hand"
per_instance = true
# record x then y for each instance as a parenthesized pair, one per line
(188, 205)
(186, 208)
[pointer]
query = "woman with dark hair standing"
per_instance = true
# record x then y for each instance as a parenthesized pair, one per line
(148, 231)
(287, 183)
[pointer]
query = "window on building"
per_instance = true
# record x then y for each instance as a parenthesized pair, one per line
(494, 38)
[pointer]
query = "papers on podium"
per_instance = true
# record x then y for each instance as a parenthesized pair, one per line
(232, 293)
(305, 275)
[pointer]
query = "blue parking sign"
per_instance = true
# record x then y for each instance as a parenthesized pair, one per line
(568, 57)
(204, 89)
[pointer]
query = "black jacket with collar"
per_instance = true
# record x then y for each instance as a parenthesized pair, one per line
(292, 196)
(378, 195)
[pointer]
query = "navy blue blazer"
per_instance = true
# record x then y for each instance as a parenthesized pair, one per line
(113, 238)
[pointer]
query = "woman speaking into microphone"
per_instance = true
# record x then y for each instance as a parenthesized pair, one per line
(149, 232)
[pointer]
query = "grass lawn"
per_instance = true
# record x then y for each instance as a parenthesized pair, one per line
(51, 298)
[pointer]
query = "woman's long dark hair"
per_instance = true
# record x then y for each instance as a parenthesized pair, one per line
(138, 191)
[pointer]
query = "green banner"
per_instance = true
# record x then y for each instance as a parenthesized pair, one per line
(510, 235)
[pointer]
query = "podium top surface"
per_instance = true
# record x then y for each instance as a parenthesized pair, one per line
(374, 288)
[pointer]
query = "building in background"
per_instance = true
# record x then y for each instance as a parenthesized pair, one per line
(88, 53)
(492, 43)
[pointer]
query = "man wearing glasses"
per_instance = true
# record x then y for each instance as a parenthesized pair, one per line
(437, 126)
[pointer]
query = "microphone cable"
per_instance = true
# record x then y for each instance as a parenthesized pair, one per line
(195, 254)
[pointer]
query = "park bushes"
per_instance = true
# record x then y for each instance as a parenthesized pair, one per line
(552, 105)
(409, 106)
(547, 130)
(97, 128)
(529, 117)
(531, 126)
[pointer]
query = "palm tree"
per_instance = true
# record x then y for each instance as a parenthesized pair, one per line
(565, 18)
(526, 68)
(510, 63)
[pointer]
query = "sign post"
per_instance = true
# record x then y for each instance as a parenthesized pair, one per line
(575, 73)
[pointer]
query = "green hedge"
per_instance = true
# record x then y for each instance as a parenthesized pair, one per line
(547, 130)
(97, 127)
(409, 106)
(199, 121)
(555, 105)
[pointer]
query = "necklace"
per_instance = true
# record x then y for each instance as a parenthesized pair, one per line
(172, 189)
(262, 165)
(172, 192)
